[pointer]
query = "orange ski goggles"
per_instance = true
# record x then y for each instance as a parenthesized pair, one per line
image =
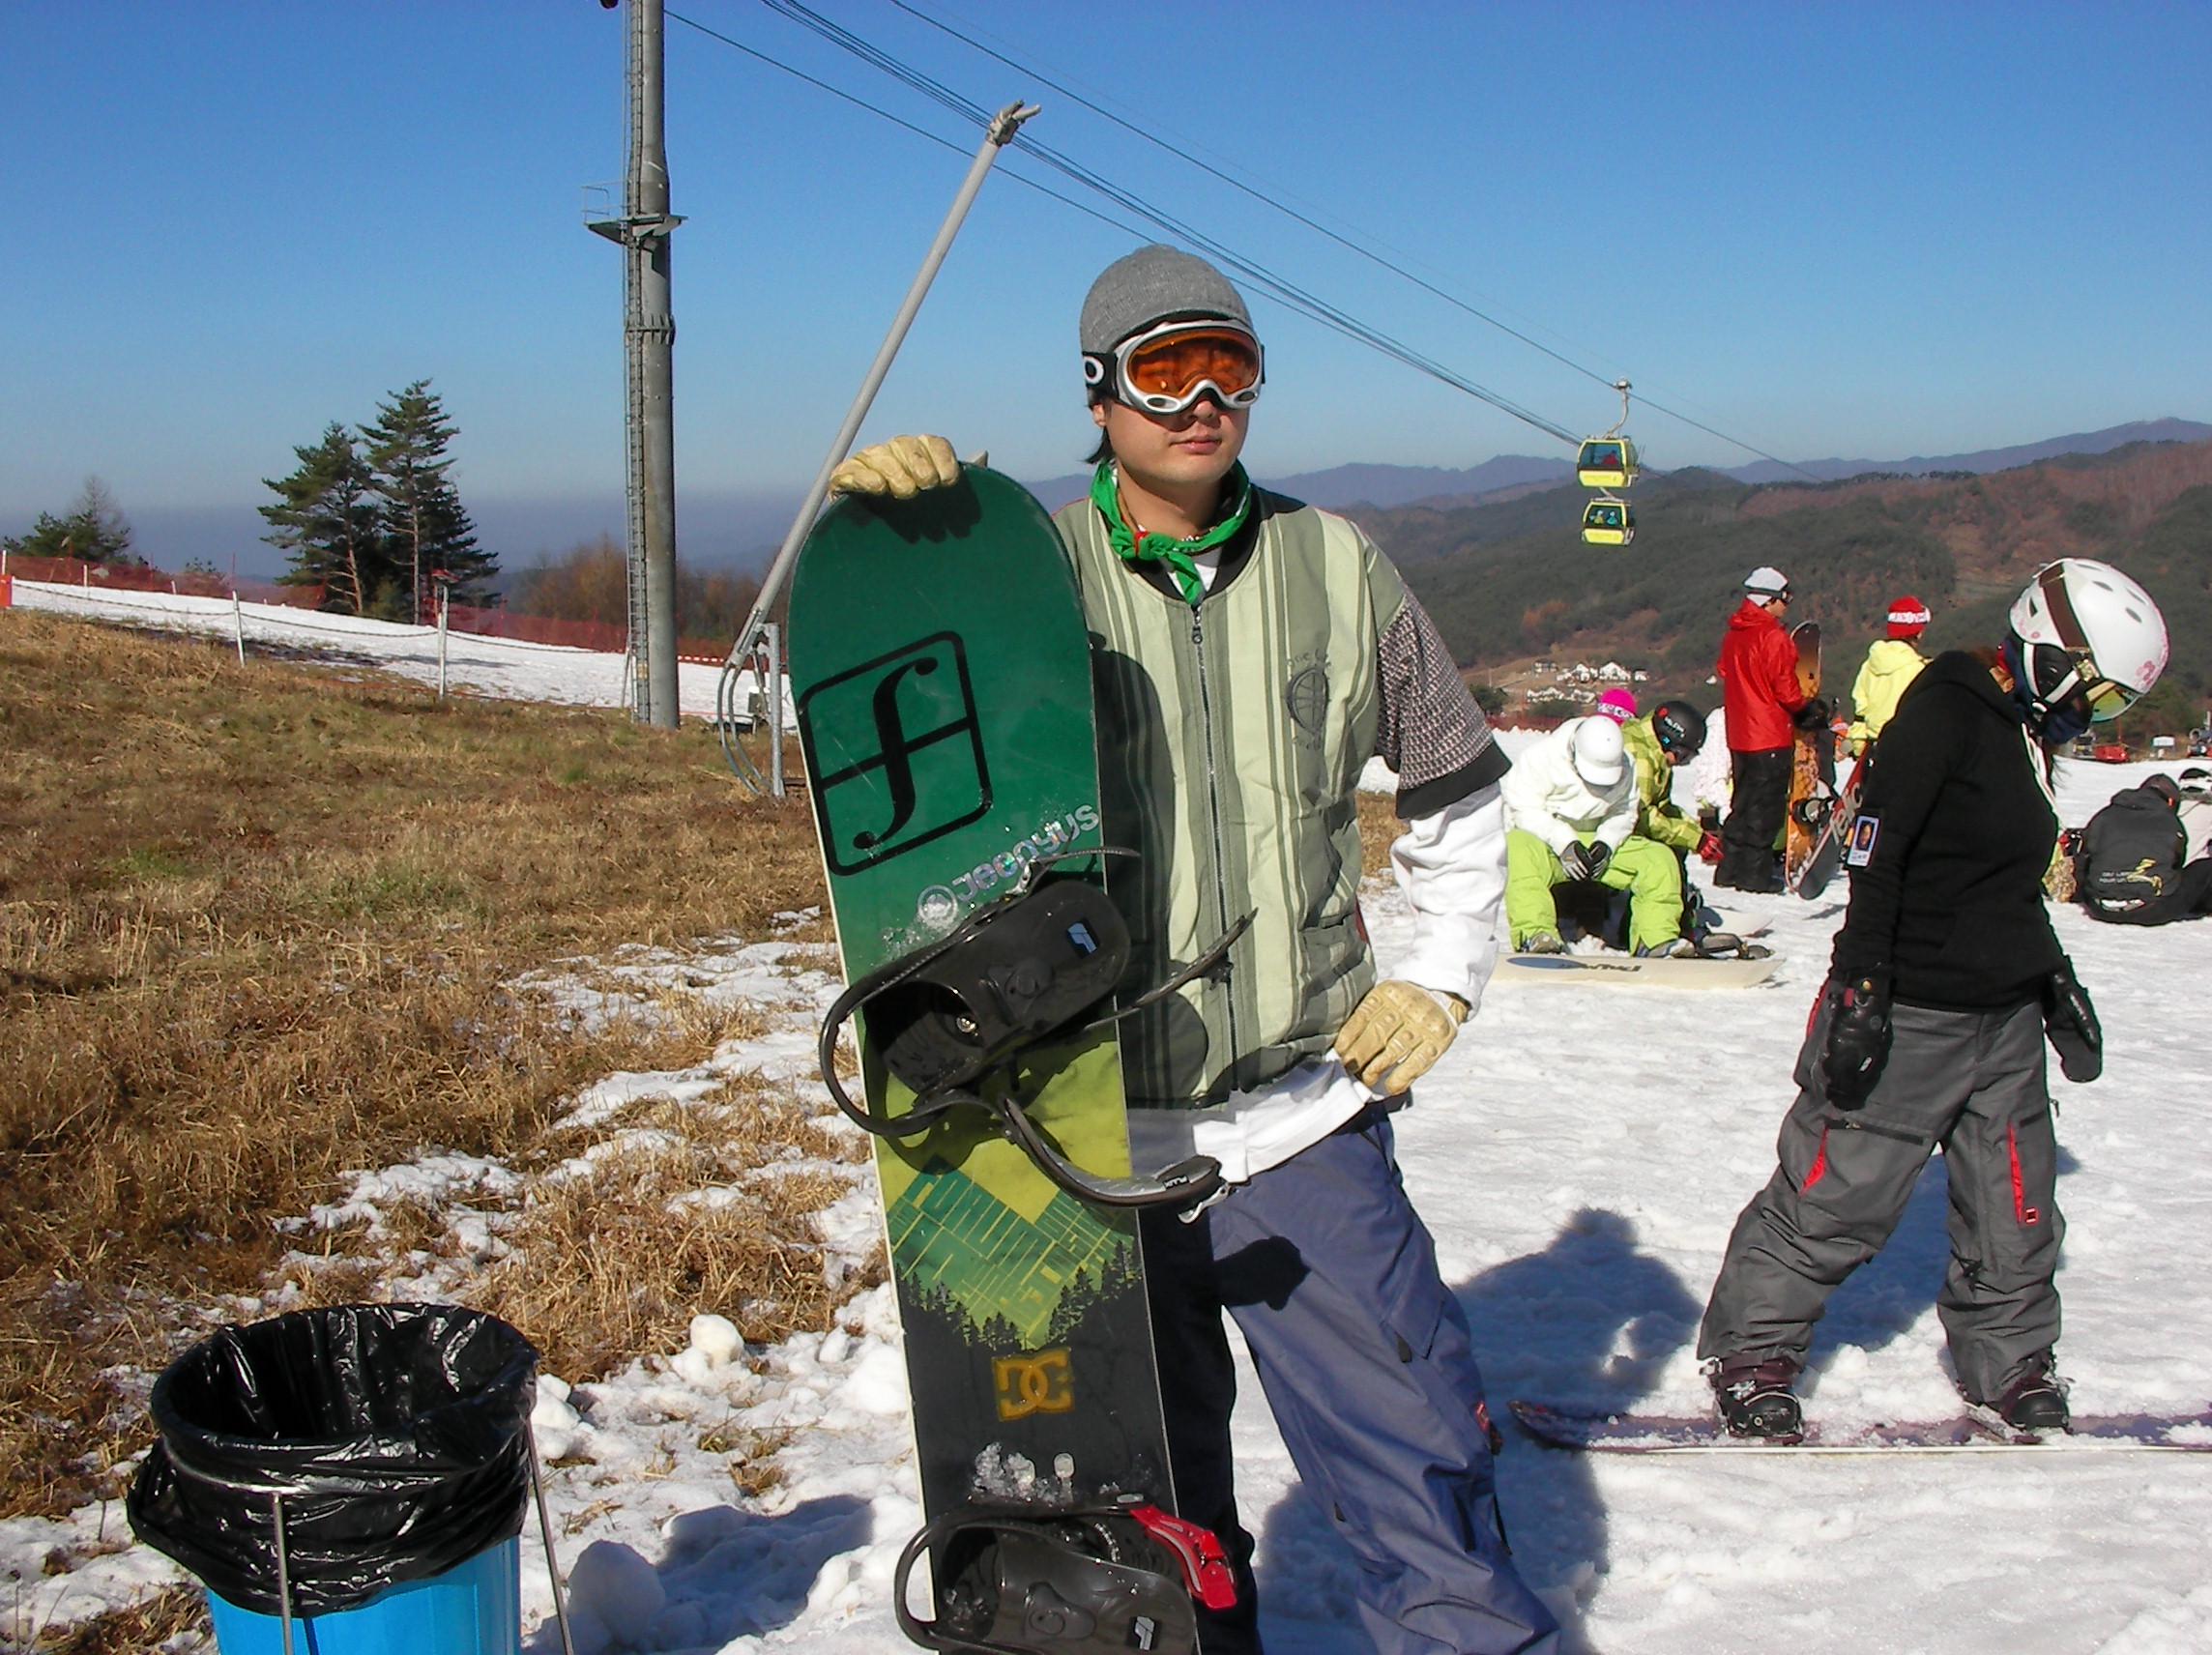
(1167, 369)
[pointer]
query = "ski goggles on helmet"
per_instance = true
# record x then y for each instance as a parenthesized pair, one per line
(1165, 370)
(2068, 669)
(2063, 672)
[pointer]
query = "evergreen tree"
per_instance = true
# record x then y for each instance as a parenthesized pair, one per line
(326, 516)
(95, 532)
(419, 510)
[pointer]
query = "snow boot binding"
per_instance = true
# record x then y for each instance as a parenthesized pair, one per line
(955, 1019)
(1755, 1400)
(1095, 1581)
(2033, 1405)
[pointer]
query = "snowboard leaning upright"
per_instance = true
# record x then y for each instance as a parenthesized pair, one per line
(1813, 766)
(941, 674)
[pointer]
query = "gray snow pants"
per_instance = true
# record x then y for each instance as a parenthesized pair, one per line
(1365, 1358)
(1971, 1081)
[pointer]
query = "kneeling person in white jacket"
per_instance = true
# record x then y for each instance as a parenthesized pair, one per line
(1570, 802)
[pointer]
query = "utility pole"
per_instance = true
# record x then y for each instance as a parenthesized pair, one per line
(649, 339)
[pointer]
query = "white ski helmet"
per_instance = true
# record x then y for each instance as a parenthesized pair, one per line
(1597, 752)
(2086, 628)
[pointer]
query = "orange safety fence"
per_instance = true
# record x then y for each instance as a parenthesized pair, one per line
(144, 577)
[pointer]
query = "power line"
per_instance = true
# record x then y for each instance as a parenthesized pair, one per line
(1343, 241)
(1277, 286)
(1259, 196)
(881, 114)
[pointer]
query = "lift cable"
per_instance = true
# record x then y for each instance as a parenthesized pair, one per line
(1349, 242)
(1276, 286)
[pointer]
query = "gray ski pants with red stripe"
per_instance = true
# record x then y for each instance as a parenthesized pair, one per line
(1969, 1082)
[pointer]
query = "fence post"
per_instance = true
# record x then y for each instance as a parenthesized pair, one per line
(445, 602)
(238, 625)
(774, 668)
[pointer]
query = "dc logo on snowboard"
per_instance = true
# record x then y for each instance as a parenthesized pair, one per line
(1041, 1383)
(897, 751)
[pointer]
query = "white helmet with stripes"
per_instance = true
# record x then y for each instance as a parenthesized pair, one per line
(2084, 629)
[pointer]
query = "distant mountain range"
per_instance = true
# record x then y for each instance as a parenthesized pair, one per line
(725, 528)
(1388, 486)
(1509, 581)
(1984, 459)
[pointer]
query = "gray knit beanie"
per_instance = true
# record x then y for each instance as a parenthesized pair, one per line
(1150, 284)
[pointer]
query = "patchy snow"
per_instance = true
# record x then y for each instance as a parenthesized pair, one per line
(1579, 1154)
(508, 668)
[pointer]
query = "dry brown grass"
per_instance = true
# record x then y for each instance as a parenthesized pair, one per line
(254, 926)
(143, 1626)
(608, 1266)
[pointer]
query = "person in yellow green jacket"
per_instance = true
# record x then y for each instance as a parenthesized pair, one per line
(1890, 665)
(1670, 733)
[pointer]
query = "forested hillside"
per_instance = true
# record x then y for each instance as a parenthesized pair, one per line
(1512, 581)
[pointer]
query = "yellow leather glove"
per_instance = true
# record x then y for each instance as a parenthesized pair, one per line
(902, 468)
(1398, 1030)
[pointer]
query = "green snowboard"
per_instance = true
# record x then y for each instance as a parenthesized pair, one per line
(942, 674)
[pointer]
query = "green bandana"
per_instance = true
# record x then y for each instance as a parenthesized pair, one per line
(1163, 548)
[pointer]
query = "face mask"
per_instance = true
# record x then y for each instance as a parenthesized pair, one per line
(2054, 726)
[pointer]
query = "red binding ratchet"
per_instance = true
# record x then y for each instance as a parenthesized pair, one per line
(1205, 1565)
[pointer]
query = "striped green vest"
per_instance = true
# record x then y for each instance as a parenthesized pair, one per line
(1230, 739)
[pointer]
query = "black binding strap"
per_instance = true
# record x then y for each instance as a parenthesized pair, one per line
(1187, 1181)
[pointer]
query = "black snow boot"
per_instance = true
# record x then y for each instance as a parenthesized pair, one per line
(2034, 1403)
(1755, 1399)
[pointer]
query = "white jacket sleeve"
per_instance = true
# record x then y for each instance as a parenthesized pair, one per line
(1527, 789)
(1451, 866)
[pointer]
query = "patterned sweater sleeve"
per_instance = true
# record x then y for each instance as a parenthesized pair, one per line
(1431, 732)
(1450, 861)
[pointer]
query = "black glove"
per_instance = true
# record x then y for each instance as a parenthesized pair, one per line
(1580, 860)
(1859, 1037)
(1813, 715)
(2071, 1023)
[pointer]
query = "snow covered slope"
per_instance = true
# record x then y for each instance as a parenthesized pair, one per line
(1581, 1155)
(509, 668)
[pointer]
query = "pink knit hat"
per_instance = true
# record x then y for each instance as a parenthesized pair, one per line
(1617, 704)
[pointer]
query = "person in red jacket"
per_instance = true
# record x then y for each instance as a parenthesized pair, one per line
(1758, 672)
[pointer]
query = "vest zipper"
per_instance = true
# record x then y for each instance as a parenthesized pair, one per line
(1213, 823)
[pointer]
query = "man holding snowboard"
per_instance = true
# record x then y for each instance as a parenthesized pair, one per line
(1250, 653)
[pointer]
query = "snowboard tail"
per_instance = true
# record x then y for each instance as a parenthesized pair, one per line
(1673, 1434)
(1624, 970)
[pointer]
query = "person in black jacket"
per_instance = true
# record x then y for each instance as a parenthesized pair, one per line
(1946, 978)
(2134, 868)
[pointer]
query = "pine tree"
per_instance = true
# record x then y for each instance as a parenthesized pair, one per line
(419, 511)
(95, 532)
(326, 516)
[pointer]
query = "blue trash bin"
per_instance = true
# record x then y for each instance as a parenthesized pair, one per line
(360, 1469)
(473, 1610)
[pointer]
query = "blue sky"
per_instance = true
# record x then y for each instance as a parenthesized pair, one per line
(1861, 230)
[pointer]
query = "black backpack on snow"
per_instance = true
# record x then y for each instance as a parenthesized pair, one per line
(2131, 851)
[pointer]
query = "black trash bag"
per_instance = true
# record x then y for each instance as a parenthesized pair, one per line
(397, 1434)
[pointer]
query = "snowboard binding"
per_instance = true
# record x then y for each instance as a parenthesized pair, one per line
(1089, 1580)
(1015, 977)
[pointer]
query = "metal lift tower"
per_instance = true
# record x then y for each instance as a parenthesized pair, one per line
(649, 339)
